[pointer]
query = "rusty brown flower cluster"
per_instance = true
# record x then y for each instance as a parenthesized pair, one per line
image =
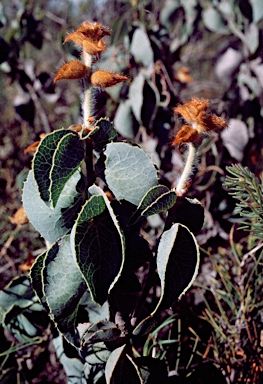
(199, 121)
(89, 37)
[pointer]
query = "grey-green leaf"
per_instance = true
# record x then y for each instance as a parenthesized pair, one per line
(157, 199)
(103, 133)
(129, 172)
(146, 325)
(63, 287)
(97, 247)
(18, 292)
(141, 48)
(94, 311)
(214, 21)
(177, 264)
(37, 277)
(73, 367)
(52, 223)
(136, 95)
(120, 368)
(97, 353)
(167, 14)
(257, 10)
(104, 330)
(56, 160)
(123, 119)
(252, 37)
(183, 212)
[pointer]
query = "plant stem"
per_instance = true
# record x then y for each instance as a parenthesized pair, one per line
(86, 106)
(87, 103)
(180, 189)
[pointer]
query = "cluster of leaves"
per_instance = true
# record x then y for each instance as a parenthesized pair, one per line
(96, 244)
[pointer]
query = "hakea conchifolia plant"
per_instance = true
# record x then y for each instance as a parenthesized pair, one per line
(89, 194)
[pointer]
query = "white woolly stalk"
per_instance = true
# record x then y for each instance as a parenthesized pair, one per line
(87, 105)
(180, 188)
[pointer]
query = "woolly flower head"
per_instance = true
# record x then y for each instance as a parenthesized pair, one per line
(199, 121)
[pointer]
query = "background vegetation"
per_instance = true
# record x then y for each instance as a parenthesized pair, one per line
(171, 50)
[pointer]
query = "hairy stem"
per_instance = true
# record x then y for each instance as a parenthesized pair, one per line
(86, 106)
(87, 103)
(181, 186)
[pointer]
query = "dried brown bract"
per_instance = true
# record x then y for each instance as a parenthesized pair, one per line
(20, 217)
(104, 79)
(75, 69)
(183, 75)
(199, 120)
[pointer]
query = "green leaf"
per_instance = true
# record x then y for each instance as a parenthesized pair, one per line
(183, 212)
(123, 119)
(177, 264)
(214, 21)
(63, 287)
(103, 330)
(57, 158)
(120, 368)
(103, 135)
(141, 48)
(98, 247)
(157, 199)
(52, 223)
(129, 172)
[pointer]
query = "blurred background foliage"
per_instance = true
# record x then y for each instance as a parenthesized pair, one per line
(171, 50)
